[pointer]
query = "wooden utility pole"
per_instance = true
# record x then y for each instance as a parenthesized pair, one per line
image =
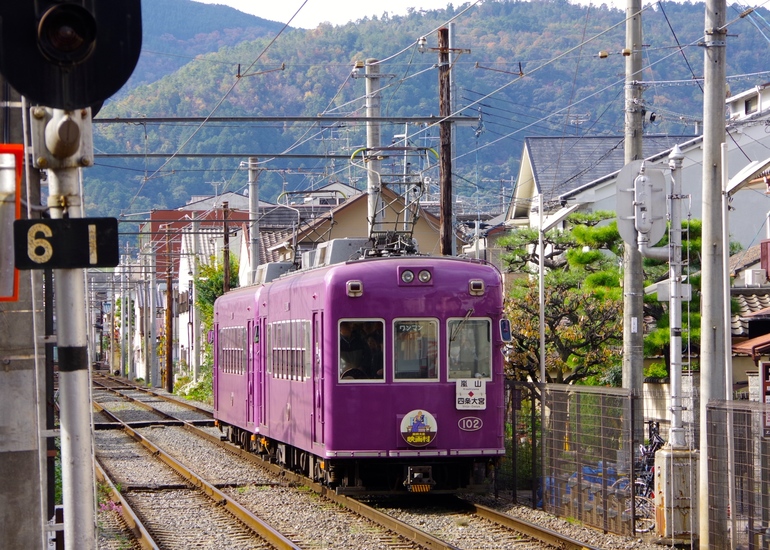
(445, 144)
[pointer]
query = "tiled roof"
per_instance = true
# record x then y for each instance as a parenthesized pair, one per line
(756, 347)
(561, 164)
(745, 258)
(268, 239)
(750, 305)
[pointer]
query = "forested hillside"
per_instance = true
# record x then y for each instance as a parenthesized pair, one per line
(533, 68)
(176, 31)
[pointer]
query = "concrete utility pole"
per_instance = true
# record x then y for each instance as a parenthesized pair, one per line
(712, 500)
(226, 248)
(169, 316)
(195, 315)
(253, 224)
(154, 367)
(22, 391)
(633, 276)
(445, 144)
(373, 144)
(123, 320)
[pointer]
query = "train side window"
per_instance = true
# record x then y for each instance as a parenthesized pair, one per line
(470, 348)
(233, 350)
(415, 343)
(361, 349)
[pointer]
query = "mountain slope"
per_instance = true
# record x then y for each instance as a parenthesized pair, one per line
(533, 68)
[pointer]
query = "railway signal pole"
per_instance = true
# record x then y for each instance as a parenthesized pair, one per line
(67, 147)
(50, 54)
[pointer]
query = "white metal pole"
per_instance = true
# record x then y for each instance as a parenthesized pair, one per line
(541, 288)
(78, 485)
(728, 345)
(254, 220)
(676, 435)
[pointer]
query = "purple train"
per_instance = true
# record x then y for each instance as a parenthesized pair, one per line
(371, 375)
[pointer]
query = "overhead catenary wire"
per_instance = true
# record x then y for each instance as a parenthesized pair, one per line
(320, 133)
(228, 91)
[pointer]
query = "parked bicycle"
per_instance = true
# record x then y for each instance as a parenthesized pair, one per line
(644, 481)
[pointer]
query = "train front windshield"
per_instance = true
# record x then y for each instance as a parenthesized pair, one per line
(415, 351)
(470, 348)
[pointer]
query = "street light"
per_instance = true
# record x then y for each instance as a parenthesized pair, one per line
(545, 226)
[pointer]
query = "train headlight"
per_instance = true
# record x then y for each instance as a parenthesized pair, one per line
(476, 287)
(407, 276)
(355, 288)
(424, 276)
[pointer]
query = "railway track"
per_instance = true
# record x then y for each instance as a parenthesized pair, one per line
(468, 525)
(169, 506)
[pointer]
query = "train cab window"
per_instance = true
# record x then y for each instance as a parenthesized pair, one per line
(361, 345)
(415, 343)
(470, 348)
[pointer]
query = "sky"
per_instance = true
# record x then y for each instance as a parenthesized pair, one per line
(339, 12)
(336, 12)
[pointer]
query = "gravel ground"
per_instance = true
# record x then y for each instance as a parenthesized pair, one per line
(294, 511)
(587, 535)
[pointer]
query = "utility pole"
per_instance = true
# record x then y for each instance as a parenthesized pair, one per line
(254, 223)
(445, 144)
(154, 367)
(194, 311)
(712, 500)
(633, 276)
(131, 372)
(23, 402)
(169, 316)
(454, 54)
(226, 248)
(373, 144)
(123, 322)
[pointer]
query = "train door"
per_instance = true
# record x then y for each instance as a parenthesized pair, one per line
(260, 368)
(318, 379)
(213, 340)
(252, 334)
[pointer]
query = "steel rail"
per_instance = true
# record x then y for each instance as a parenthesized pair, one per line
(138, 530)
(256, 524)
(541, 534)
(149, 391)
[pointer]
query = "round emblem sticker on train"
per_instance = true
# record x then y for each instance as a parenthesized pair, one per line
(418, 428)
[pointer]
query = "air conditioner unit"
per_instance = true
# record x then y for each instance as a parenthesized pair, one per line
(755, 277)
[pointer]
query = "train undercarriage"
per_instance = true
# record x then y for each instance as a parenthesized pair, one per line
(370, 476)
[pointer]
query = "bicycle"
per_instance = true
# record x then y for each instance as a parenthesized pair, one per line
(644, 483)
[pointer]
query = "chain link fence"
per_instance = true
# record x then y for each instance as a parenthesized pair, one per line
(577, 456)
(739, 474)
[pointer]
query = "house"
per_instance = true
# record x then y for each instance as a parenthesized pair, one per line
(581, 174)
(349, 219)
